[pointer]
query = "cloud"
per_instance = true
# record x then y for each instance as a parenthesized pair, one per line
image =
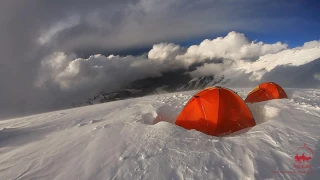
(60, 26)
(32, 32)
(234, 46)
(311, 44)
(210, 69)
(317, 76)
(77, 26)
(233, 49)
(165, 51)
(97, 72)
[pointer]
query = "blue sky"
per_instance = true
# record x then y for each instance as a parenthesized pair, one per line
(293, 37)
(292, 22)
(300, 23)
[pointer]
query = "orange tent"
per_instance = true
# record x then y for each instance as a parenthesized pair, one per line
(215, 111)
(266, 91)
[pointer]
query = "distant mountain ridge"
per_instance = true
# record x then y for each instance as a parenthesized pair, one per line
(156, 85)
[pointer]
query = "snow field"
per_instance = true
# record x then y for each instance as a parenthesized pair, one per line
(120, 140)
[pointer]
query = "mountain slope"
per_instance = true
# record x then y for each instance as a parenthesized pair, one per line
(290, 68)
(156, 85)
(117, 140)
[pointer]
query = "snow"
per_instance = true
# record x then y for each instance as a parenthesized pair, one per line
(290, 68)
(291, 57)
(119, 140)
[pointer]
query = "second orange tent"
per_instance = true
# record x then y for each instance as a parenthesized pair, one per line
(266, 91)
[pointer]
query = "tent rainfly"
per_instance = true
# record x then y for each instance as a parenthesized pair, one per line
(215, 111)
(266, 91)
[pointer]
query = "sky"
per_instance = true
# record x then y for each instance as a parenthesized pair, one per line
(48, 47)
(300, 24)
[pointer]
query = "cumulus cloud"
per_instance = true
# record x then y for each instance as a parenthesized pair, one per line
(234, 46)
(99, 72)
(310, 44)
(165, 51)
(233, 49)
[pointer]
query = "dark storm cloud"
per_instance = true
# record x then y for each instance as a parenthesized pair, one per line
(21, 24)
(31, 30)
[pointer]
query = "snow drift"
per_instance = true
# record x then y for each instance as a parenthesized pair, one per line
(118, 140)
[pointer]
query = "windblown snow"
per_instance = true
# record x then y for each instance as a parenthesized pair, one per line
(118, 140)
